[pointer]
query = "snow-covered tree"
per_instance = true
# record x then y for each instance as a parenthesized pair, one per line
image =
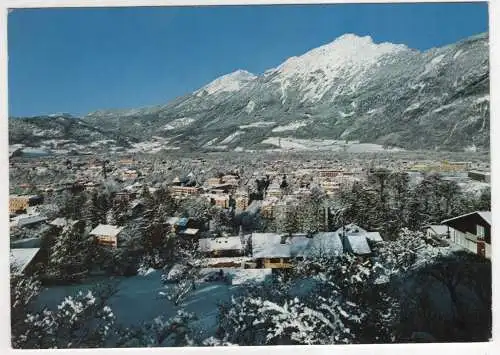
(71, 206)
(220, 218)
(287, 219)
(80, 321)
(175, 331)
(351, 301)
(186, 276)
(251, 321)
(23, 290)
(69, 255)
(197, 208)
(310, 217)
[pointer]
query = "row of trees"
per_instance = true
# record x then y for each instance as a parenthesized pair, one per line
(388, 202)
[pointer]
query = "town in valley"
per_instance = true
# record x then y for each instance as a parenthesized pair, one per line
(190, 232)
(339, 195)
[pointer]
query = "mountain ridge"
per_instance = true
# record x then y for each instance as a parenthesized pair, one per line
(348, 89)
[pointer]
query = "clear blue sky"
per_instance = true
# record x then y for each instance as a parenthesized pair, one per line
(81, 60)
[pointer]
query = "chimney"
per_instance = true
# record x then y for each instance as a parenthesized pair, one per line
(283, 239)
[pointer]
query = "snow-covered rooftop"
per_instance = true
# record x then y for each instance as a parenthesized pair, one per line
(62, 222)
(439, 228)
(486, 215)
(351, 229)
(177, 221)
(325, 243)
(268, 245)
(190, 231)
(374, 236)
(26, 219)
(224, 243)
(107, 230)
(20, 258)
(359, 244)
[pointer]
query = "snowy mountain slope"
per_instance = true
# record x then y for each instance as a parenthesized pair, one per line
(35, 131)
(350, 89)
(227, 83)
(344, 63)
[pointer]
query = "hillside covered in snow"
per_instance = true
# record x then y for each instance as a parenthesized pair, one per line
(351, 89)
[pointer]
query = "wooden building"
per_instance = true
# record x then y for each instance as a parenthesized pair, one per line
(19, 203)
(471, 231)
(106, 235)
(276, 251)
(222, 247)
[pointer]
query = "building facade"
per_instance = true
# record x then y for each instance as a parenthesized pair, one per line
(471, 231)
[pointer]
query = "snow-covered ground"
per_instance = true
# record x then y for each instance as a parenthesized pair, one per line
(344, 115)
(102, 142)
(178, 123)
(231, 137)
(139, 299)
(445, 107)
(485, 98)
(258, 124)
(412, 107)
(325, 144)
(250, 107)
(152, 146)
(142, 298)
(457, 54)
(34, 151)
(432, 64)
(45, 132)
(211, 142)
(290, 127)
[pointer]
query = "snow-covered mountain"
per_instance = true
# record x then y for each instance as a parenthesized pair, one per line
(350, 89)
(232, 82)
(345, 63)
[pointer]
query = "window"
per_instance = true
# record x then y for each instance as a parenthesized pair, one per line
(480, 231)
(275, 260)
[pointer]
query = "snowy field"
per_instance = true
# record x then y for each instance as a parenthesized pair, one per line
(142, 298)
(290, 127)
(258, 124)
(326, 144)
